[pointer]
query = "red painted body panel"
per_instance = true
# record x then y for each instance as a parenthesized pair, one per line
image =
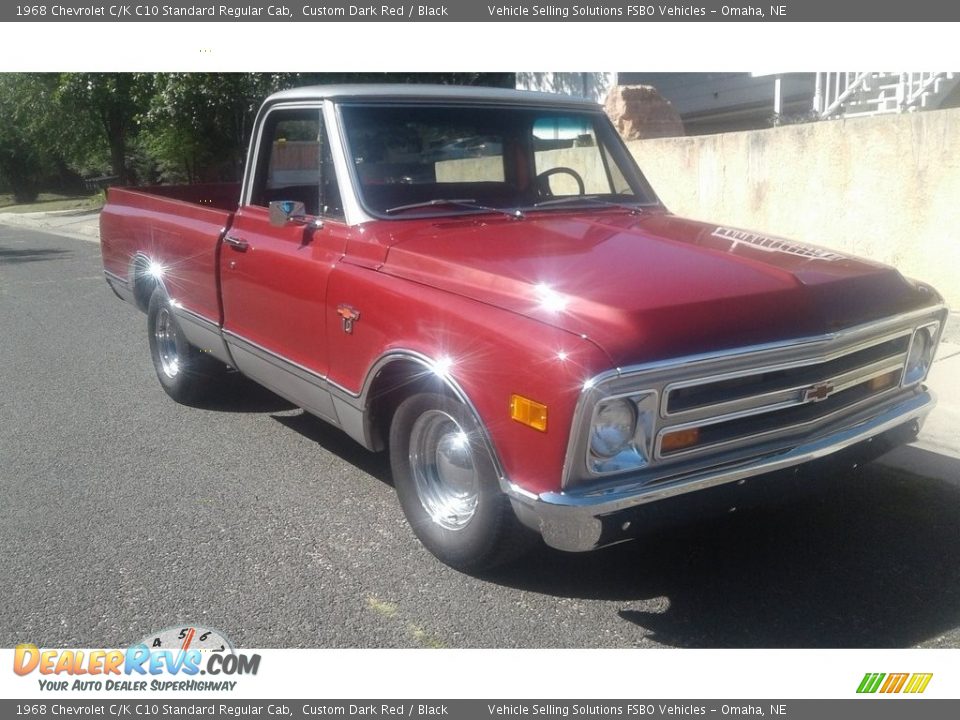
(178, 230)
(533, 306)
(274, 292)
(443, 285)
(402, 243)
(652, 286)
(491, 354)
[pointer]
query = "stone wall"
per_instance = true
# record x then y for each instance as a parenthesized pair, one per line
(886, 188)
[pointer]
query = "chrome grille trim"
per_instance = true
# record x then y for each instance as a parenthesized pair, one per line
(571, 519)
(708, 410)
(753, 438)
(778, 399)
(749, 405)
(664, 375)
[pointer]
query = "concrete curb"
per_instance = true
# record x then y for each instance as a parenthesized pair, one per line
(77, 224)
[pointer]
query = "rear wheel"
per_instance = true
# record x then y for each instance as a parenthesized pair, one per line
(186, 373)
(448, 486)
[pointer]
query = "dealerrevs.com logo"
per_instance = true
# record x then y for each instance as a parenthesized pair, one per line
(912, 683)
(183, 653)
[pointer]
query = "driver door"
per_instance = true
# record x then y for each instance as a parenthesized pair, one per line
(274, 279)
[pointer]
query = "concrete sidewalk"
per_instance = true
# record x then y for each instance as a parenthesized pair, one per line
(79, 224)
(936, 453)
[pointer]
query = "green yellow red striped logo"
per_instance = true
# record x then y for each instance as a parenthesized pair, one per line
(913, 683)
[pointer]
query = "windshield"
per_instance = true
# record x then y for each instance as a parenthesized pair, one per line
(415, 160)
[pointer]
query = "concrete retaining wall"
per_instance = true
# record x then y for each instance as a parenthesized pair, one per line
(886, 188)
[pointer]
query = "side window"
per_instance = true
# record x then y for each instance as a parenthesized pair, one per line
(295, 163)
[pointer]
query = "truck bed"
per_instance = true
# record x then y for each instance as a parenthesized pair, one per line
(179, 227)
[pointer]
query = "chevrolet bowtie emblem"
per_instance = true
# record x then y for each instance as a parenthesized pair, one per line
(818, 392)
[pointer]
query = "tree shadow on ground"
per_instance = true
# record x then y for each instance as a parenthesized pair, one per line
(336, 441)
(869, 558)
(238, 394)
(9, 256)
(872, 562)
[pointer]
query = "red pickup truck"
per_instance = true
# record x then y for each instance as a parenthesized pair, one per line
(483, 283)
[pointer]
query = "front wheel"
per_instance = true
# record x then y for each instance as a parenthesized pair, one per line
(448, 486)
(187, 374)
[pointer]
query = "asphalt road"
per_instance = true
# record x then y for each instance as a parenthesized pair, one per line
(124, 513)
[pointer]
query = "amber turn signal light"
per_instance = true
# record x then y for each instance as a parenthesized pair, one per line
(882, 382)
(679, 439)
(529, 412)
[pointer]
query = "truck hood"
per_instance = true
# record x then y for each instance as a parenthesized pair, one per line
(651, 286)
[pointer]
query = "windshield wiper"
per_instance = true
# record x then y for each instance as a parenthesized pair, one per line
(634, 208)
(456, 202)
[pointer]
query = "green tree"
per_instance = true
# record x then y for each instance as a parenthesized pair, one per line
(28, 132)
(197, 125)
(110, 103)
(190, 127)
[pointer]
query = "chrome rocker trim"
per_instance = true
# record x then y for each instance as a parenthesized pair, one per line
(570, 520)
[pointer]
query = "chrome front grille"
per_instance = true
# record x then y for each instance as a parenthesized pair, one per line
(724, 408)
(773, 399)
(786, 383)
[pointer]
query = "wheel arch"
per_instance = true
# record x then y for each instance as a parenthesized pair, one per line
(399, 374)
(142, 281)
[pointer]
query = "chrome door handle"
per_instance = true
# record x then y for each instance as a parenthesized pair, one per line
(236, 243)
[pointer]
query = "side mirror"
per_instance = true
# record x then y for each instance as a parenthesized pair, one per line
(283, 212)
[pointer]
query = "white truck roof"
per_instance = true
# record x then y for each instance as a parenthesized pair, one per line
(463, 93)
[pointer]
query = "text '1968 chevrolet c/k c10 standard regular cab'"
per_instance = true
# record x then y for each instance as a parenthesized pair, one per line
(482, 283)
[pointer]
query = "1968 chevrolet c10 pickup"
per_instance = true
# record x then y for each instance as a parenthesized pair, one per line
(482, 282)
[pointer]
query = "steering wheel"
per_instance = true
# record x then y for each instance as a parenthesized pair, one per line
(543, 178)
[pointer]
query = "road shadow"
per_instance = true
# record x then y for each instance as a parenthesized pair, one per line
(77, 212)
(10, 256)
(868, 558)
(925, 463)
(238, 394)
(338, 442)
(872, 562)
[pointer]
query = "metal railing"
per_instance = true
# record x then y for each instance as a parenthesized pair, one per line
(849, 94)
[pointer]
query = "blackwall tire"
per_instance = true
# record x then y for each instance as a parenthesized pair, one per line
(448, 487)
(186, 374)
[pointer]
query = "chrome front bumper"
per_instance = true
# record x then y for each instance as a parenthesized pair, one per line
(573, 520)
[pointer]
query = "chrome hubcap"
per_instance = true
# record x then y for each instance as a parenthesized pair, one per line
(444, 472)
(166, 337)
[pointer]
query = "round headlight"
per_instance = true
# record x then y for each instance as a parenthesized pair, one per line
(613, 428)
(918, 361)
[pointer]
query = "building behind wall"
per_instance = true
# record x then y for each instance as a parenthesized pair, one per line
(721, 102)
